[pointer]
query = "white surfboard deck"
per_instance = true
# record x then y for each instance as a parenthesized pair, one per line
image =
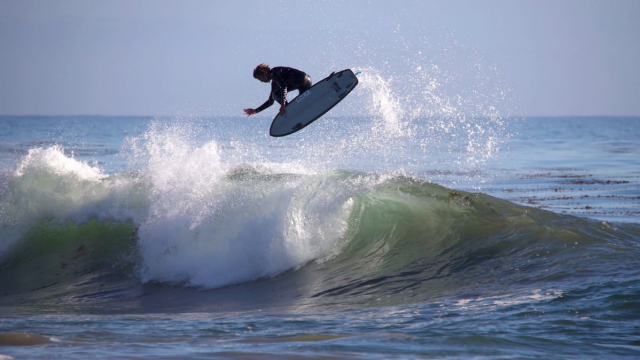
(313, 103)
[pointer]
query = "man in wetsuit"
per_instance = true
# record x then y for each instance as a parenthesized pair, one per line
(283, 79)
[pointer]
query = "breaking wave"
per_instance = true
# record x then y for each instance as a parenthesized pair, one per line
(71, 233)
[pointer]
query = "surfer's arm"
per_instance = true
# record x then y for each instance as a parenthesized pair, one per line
(266, 104)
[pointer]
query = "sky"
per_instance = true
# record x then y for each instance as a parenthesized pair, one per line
(196, 57)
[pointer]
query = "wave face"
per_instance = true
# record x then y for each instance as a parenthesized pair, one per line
(72, 235)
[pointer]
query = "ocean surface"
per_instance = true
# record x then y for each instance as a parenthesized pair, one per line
(390, 236)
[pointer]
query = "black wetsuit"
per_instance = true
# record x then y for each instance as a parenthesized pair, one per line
(283, 80)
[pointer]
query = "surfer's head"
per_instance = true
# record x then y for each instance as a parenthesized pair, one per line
(261, 72)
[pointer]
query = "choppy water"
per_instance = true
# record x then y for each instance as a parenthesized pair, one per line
(359, 237)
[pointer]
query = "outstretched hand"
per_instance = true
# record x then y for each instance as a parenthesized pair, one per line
(250, 112)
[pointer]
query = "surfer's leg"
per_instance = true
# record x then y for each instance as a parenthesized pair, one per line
(305, 85)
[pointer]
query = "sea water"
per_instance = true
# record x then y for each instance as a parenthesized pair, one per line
(425, 235)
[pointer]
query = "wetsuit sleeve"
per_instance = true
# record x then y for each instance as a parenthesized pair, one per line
(266, 104)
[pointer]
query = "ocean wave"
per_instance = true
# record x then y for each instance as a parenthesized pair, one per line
(190, 219)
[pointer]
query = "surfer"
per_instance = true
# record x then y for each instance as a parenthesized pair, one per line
(283, 79)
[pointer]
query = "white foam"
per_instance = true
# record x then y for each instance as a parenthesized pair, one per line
(208, 229)
(53, 161)
(492, 302)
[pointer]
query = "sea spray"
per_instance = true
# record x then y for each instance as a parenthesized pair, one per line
(417, 109)
(384, 105)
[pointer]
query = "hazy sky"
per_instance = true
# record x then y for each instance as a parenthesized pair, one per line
(155, 57)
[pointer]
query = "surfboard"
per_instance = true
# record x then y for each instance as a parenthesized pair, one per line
(313, 103)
